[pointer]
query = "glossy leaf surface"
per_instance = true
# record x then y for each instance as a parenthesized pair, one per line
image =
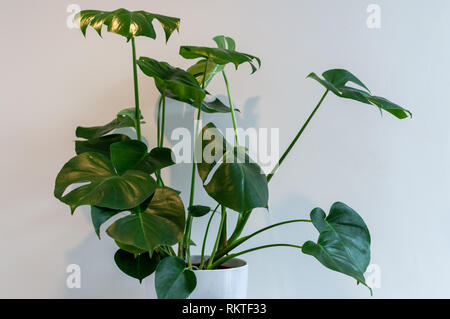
(237, 182)
(173, 280)
(125, 118)
(139, 266)
(161, 223)
(344, 241)
(336, 81)
(105, 187)
(129, 24)
(158, 158)
(100, 144)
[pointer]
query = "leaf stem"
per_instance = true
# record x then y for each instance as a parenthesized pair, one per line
(136, 92)
(232, 245)
(233, 116)
(269, 177)
(163, 120)
(231, 256)
(202, 258)
(219, 235)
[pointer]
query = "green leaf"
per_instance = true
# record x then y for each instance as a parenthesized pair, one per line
(158, 158)
(198, 210)
(125, 118)
(336, 81)
(173, 82)
(198, 69)
(220, 56)
(131, 249)
(161, 223)
(105, 187)
(99, 144)
(99, 215)
(237, 182)
(216, 106)
(127, 155)
(129, 24)
(344, 241)
(138, 267)
(173, 280)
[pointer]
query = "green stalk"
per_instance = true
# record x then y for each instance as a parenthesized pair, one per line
(241, 240)
(163, 120)
(202, 258)
(231, 256)
(269, 177)
(219, 233)
(136, 92)
(233, 116)
(185, 247)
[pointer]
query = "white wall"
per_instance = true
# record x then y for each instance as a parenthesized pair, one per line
(394, 173)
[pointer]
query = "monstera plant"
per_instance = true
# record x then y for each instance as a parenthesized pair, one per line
(116, 173)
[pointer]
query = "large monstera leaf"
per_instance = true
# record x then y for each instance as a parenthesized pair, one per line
(129, 24)
(336, 81)
(220, 56)
(160, 223)
(125, 118)
(344, 241)
(205, 69)
(235, 182)
(102, 185)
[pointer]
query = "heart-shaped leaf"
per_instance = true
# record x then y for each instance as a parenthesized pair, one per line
(161, 223)
(99, 215)
(236, 182)
(198, 210)
(130, 249)
(129, 24)
(125, 118)
(173, 280)
(336, 81)
(139, 266)
(99, 144)
(172, 82)
(344, 241)
(105, 187)
(220, 56)
(158, 158)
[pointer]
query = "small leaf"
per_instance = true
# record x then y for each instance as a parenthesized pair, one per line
(138, 267)
(125, 118)
(173, 280)
(344, 241)
(99, 215)
(129, 24)
(216, 106)
(173, 82)
(336, 81)
(220, 56)
(105, 187)
(161, 223)
(198, 210)
(127, 155)
(99, 144)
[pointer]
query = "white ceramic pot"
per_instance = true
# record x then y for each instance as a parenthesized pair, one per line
(228, 283)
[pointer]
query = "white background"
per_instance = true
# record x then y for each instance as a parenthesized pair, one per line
(395, 173)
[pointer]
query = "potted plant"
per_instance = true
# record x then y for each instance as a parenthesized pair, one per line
(114, 173)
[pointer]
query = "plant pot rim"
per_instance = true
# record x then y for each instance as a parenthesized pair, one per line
(234, 264)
